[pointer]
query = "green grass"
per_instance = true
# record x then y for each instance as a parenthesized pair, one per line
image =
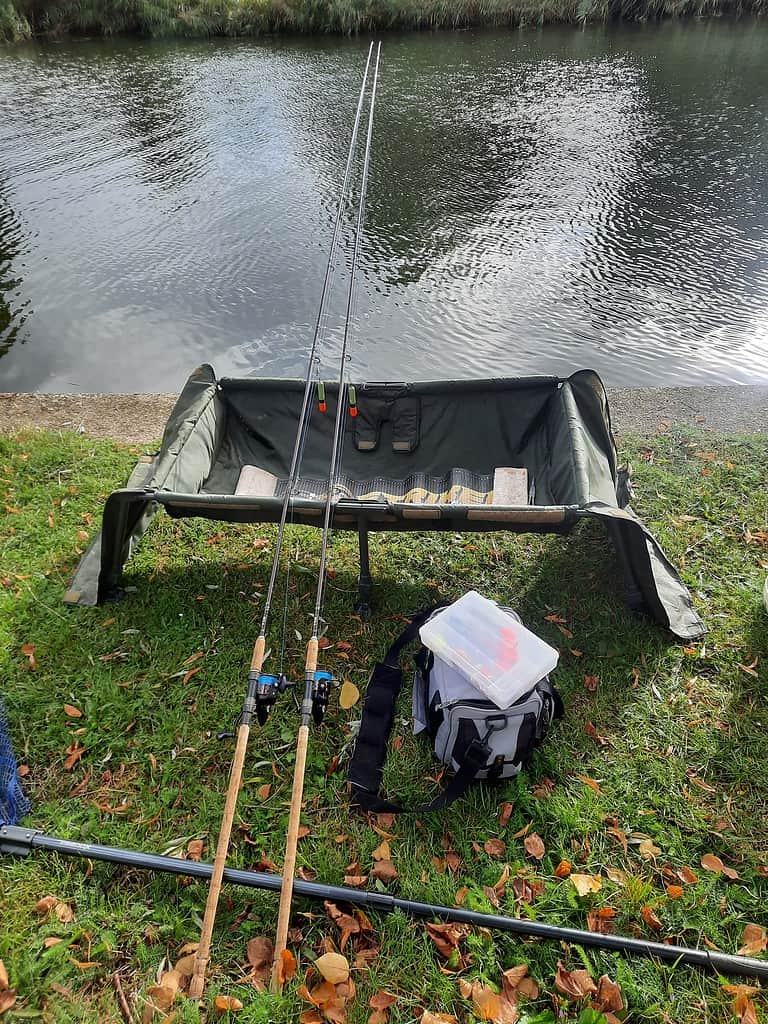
(21, 19)
(687, 732)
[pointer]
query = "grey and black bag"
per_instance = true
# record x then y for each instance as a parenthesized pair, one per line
(469, 734)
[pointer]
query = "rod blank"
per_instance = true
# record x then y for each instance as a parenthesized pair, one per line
(21, 841)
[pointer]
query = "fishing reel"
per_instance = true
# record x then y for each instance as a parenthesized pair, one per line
(321, 693)
(263, 691)
(268, 689)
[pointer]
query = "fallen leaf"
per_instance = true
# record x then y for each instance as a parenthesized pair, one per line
(589, 782)
(287, 967)
(712, 863)
(609, 996)
(4, 982)
(526, 890)
(195, 849)
(591, 683)
(28, 650)
(382, 851)
(227, 1004)
(7, 999)
(585, 884)
(591, 730)
(647, 850)
(601, 921)
(349, 695)
(563, 869)
(45, 905)
(436, 1018)
(333, 967)
(675, 892)
(754, 940)
(72, 711)
(64, 912)
(382, 1000)
(74, 753)
(384, 870)
(505, 813)
(651, 919)
(576, 984)
(534, 846)
(446, 937)
(486, 1002)
(51, 940)
(495, 848)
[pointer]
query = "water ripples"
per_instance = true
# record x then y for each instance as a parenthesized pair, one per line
(538, 202)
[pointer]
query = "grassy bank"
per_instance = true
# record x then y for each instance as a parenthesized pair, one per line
(659, 763)
(22, 19)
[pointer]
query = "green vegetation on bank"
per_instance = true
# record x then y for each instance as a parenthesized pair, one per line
(659, 762)
(23, 19)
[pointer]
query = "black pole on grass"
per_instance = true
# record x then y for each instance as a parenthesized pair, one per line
(19, 841)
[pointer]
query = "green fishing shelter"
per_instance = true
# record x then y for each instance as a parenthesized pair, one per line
(528, 454)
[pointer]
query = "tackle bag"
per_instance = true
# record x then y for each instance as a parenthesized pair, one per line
(469, 733)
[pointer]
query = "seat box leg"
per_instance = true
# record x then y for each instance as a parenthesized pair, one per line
(364, 605)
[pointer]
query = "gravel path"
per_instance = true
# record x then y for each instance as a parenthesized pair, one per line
(141, 418)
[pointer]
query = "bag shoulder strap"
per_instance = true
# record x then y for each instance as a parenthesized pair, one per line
(366, 767)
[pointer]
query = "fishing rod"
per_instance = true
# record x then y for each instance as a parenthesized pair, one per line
(19, 841)
(317, 684)
(263, 689)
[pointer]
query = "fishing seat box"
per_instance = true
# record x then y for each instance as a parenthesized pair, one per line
(433, 455)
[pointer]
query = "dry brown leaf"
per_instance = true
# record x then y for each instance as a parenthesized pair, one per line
(346, 924)
(591, 683)
(589, 782)
(195, 849)
(263, 792)
(591, 730)
(45, 905)
(495, 848)
(74, 753)
(712, 863)
(534, 846)
(486, 1002)
(617, 876)
(333, 967)
(227, 1004)
(382, 851)
(64, 912)
(7, 999)
(436, 1018)
(651, 919)
(688, 876)
(446, 937)
(609, 997)
(349, 695)
(384, 870)
(585, 884)
(4, 982)
(754, 940)
(72, 711)
(185, 965)
(382, 1000)
(675, 892)
(576, 984)
(563, 869)
(647, 849)
(526, 890)
(601, 921)
(287, 967)
(28, 650)
(51, 940)
(505, 813)
(161, 997)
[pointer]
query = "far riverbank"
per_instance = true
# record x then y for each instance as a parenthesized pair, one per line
(26, 19)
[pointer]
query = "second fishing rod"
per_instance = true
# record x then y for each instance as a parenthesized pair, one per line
(317, 684)
(263, 689)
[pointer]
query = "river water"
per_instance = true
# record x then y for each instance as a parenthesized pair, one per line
(540, 201)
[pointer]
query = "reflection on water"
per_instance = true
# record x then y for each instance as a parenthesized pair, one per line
(539, 201)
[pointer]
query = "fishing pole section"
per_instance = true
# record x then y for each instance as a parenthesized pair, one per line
(317, 684)
(18, 841)
(263, 688)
